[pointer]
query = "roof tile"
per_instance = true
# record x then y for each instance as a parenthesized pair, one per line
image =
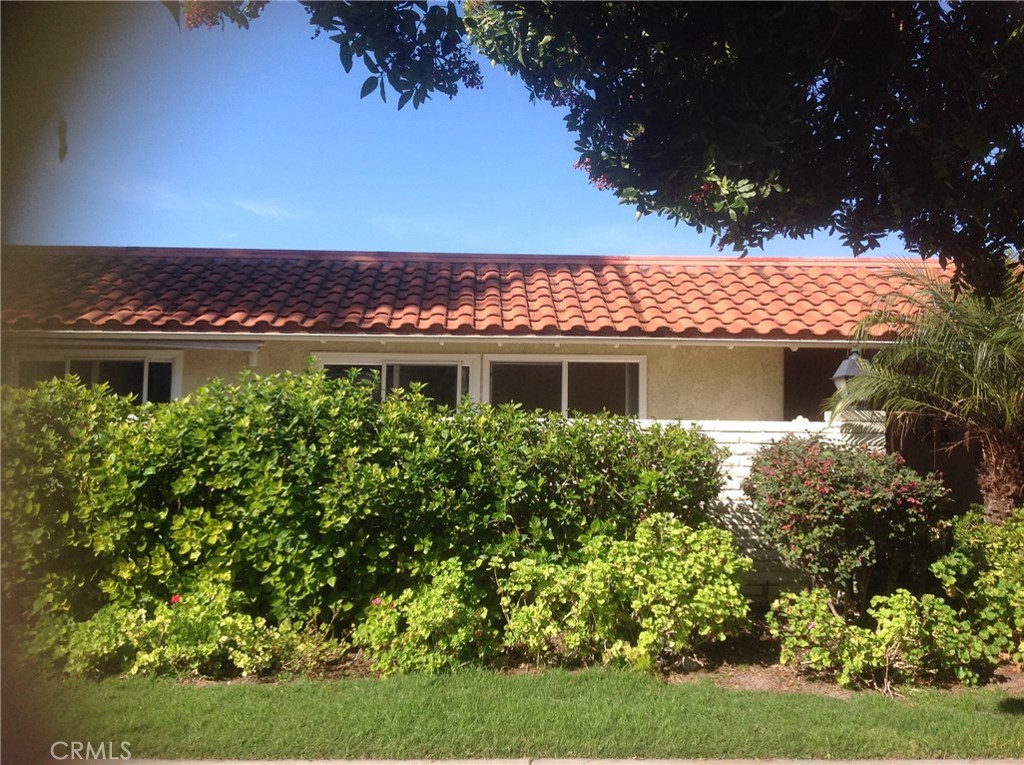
(379, 293)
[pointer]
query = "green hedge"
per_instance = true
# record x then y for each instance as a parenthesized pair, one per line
(308, 498)
(984, 576)
(909, 639)
(648, 601)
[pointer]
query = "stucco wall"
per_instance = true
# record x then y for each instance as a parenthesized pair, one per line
(686, 381)
(714, 382)
(199, 367)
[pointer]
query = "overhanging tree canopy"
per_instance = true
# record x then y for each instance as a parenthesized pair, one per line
(753, 120)
(763, 119)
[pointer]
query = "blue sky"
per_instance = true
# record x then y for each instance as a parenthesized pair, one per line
(257, 138)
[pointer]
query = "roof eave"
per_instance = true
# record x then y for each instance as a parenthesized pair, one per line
(147, 336)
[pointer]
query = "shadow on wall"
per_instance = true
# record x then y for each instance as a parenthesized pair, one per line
(864, 428)
(770, 576)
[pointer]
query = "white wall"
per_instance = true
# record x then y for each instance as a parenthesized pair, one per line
(743, 439)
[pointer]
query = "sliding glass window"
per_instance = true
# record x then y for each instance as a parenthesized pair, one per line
(142, 379)
(585, 387)
(445, 383)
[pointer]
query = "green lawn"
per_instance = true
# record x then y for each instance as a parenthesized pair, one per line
(594, 713)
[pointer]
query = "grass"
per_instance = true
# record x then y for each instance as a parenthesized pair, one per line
(593, 713)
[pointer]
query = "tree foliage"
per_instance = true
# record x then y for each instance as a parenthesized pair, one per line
(752, 120)
(764, 119)
(413, 47)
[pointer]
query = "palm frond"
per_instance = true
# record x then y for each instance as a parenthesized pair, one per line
(957, 359)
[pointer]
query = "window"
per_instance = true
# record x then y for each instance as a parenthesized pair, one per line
(142, 377)
(533, 385)
(603, 387)
(569, 385)
(807, 380)
(364, 372)
(583, 384)
(444, 381)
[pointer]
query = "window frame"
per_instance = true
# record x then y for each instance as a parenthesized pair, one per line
(565, 361)
(68, 355)
(461, 362)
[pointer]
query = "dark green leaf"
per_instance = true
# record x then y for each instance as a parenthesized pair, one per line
(368, 86)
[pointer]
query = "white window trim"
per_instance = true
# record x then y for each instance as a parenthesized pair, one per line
(67, 355)
(540, 358)
(472, 362)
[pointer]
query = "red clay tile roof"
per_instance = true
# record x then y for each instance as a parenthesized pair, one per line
(146, 289)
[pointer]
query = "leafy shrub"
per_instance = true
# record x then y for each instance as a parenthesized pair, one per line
(504, 483)
(913, 640)
(437, 626)
(285, 500)
(646, 601)
(309, 496)
(240, 481)
(198, 633)
(203, 633)
(104, 644)
(55, 443)
(984, 572)
(855, 520)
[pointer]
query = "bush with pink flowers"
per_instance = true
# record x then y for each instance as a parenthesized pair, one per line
(857, 522)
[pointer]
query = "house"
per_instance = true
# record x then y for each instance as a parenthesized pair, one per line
(746, 347)
(658, 338)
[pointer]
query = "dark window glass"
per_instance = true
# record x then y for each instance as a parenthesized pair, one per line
(808, 381)
(159, 389)
(604, 387)
(533, 385)
(124, 377)
(84, 371)
(439, 383)
(365, 373)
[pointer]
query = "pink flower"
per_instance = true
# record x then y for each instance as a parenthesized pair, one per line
(376, 601)
(175, 599)
(810, 626)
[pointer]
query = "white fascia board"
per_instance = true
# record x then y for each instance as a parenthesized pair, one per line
(136, 340)
(223, 339)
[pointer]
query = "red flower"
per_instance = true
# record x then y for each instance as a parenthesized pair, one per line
(175, 599)
(376, 601)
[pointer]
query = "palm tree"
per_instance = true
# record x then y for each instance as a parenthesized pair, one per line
(957, 360)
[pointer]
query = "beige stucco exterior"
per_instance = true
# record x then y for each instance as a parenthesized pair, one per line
(681, 382)
(713, 382)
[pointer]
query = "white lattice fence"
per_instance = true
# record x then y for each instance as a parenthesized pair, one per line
(743, 438)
